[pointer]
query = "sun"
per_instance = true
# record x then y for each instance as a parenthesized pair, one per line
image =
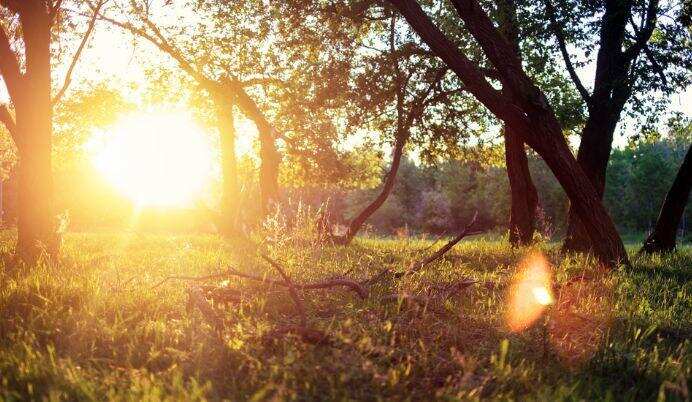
(155, 159)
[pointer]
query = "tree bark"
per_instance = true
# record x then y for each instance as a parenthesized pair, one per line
(662, 239)
(36, 223)
(524, 198)
(230, 192)
(526, 112)
(270, 158)
(593, 156)
(523, 195)
(389, 182)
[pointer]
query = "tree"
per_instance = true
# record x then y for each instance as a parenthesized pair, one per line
(31, 126)
(227, 92)
(635, 60)
(398, 85)
(523, 107)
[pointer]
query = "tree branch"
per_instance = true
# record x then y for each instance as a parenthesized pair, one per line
(78, 53)
(439, 253)
(643, 36)
(473, 79)
(650, 56)
(560, 36)
(158, 40)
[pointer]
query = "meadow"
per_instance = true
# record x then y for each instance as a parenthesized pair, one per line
(107, 321)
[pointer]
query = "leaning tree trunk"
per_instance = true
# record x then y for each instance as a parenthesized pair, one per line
(269, 155)
(524, 198)
(371, 208)
(229, 193)
(662, 239)
(552, 147)
(593, 155)
(36, 225)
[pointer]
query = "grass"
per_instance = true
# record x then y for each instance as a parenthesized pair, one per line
(94, 326)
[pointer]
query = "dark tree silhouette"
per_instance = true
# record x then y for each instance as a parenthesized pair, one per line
(662, 238)
(626, 65)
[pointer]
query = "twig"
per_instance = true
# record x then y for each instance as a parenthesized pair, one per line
(291, 288)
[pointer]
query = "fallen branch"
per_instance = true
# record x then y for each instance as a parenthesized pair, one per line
(331, 283)
(291, 288)
(444, 249)
(417, 265)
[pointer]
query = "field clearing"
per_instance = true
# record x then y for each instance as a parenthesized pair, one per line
(101, 324)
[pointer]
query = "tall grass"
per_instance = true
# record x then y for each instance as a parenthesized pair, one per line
(95, 326)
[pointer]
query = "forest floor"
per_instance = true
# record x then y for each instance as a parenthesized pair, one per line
(100, 324)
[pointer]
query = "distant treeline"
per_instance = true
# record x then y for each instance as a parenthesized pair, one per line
(440, 198)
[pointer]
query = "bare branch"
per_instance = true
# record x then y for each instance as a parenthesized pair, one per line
(560, 36)
(291, 287)
(415, 266)
(643, 36)
(78, 53)
(327, 284)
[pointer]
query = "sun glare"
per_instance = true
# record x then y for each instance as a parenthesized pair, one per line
(157, 159)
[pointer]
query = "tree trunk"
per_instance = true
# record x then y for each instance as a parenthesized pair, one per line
(269, 169)
(389, 181)
(662, 239)
(524, 198)
(607, 245)
(593, 155)
(269, 155)
(36, 223)
(229, 170)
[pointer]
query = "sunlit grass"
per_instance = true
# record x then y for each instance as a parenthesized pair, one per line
(95, 327)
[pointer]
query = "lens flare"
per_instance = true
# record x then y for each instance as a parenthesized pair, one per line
(530, 292)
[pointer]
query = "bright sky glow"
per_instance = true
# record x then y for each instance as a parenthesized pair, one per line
(157, 159)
